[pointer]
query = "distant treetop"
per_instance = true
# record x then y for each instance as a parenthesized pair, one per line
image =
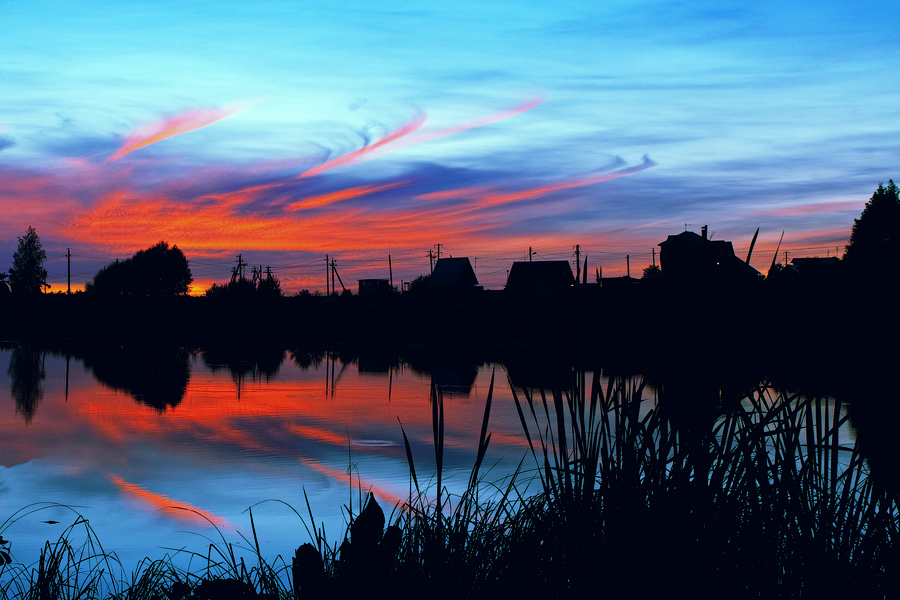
(874, 248)
(28, 274)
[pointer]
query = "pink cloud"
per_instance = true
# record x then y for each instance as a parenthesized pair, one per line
(160, 130)
(350, 157)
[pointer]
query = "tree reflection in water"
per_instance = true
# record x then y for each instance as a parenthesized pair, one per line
(26, 373)
(153, 375)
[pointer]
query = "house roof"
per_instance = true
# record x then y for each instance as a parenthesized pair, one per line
(544, 273)
(689, 254)
(453, 272)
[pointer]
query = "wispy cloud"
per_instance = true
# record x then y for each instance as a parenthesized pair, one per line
(166, 128)
(350, 157)
(403, 137)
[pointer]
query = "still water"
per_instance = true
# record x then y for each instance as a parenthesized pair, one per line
(160, 453)
(163, 451)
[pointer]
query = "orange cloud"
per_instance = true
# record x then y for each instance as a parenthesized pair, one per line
(405, 130)
(353, 192)
(173, 508)
(183, 123)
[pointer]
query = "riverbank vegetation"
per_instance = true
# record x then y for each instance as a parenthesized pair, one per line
(624, 489)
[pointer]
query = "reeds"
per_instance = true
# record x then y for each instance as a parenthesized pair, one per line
(763, 501)
(632, 493)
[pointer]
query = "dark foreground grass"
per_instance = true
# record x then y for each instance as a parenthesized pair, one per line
(620, 495)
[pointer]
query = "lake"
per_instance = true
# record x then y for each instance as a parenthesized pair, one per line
(165, 450)
(121, 436)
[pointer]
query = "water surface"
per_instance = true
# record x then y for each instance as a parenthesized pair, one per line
(163, 450)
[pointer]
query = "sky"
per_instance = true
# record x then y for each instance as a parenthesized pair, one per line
(290, 131)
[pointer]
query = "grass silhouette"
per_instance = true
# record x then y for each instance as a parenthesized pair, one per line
(622, 491)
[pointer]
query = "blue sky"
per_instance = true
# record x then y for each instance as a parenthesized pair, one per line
(771, 115)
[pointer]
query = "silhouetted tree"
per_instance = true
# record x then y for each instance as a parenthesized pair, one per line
(874, 248)
(158, 271)
(419, 285)
(28, 274)
(244, 289)
(652, 272)
(269, 286)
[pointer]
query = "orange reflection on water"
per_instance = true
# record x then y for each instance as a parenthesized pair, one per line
(345, 478)
(320, 435)
(172, 508)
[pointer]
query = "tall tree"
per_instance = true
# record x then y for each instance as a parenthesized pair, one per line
(28, 274)
(874, 248)
(157, 272)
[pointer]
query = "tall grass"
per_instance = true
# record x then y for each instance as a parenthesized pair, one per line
(767, 501)
(623, 491)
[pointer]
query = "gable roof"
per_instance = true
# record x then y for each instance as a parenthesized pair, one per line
(453, 272)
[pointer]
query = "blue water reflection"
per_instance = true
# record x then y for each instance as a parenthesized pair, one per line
(163, 453)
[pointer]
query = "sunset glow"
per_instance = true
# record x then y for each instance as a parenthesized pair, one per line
(481, 131)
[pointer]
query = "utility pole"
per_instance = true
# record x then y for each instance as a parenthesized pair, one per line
(438, 246)
(390, 272)
(327, 274)
(530, 253)
(431, 259)
(785, 258)
(68, 274)
(628, 265)
(654, 256)
(334, 272)
(238, 271)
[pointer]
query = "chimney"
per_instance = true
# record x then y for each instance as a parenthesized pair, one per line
(703, 231)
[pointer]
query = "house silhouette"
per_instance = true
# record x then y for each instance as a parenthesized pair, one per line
(453, 275)
(693, 258)
(540, 278)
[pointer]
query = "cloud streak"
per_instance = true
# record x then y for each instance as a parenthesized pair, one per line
(166, 128)
(356, 155)
(403, 138)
